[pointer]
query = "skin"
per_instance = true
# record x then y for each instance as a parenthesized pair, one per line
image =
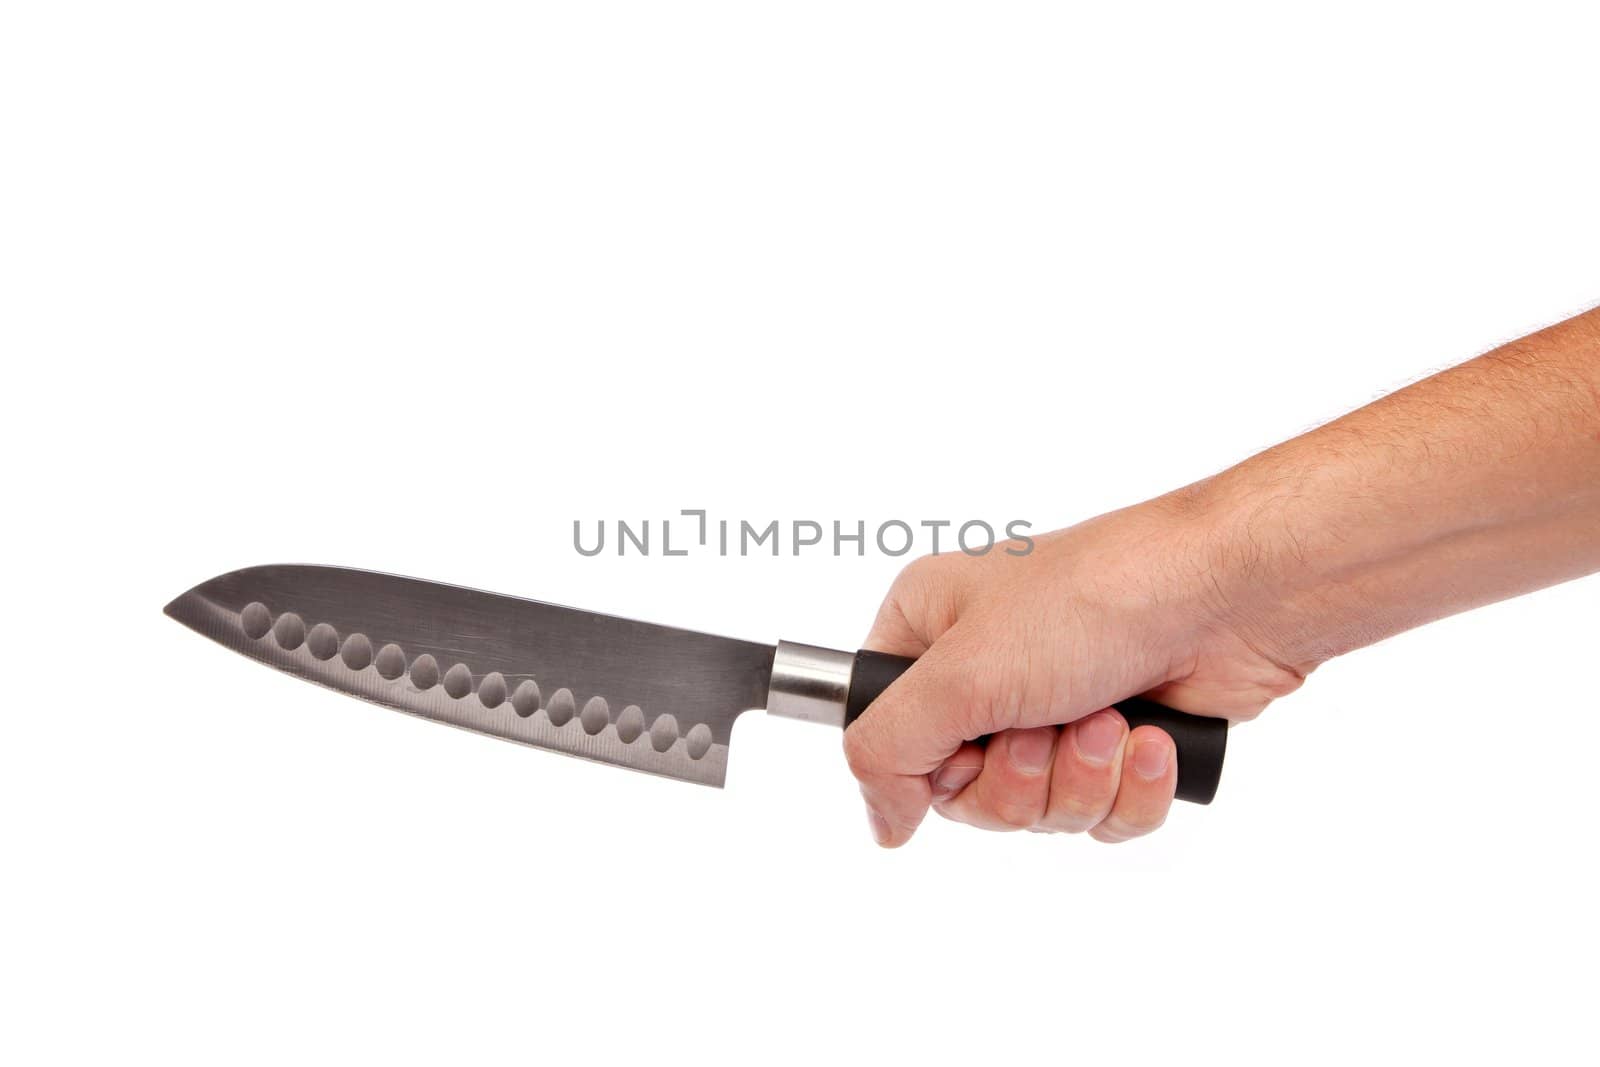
(1477, 484)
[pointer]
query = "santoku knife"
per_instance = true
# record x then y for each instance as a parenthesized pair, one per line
(648, 697)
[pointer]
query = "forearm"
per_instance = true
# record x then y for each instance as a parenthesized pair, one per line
(1471, 486)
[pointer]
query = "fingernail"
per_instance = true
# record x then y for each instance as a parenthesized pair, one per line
(1097, 738)
(880, 828)
(1150, 759)
(948, 781)
(1030, 749)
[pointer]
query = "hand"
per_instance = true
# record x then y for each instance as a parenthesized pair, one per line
(1477, 484)
(1030, 651)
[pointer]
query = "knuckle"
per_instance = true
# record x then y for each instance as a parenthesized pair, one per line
(921, 570)
(911, 586)
(1018, 815)
(1128, 825)
(1079, 810)
(1067, 825)
(1149, 822)
(912, 573)
(925, 595)
(1016, 818)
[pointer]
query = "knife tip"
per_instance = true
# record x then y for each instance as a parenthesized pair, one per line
(171, 609)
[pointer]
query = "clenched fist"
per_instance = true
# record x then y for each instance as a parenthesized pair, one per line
(1029, 652)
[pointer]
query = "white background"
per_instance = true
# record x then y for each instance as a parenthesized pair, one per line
(412, 286)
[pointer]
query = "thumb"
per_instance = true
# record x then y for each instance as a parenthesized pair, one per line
(909, 731)
(917, 722)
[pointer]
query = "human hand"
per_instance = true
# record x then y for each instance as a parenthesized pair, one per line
(1479, 483)
(1030, 651)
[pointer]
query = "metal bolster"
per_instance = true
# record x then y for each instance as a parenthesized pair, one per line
(810, 683)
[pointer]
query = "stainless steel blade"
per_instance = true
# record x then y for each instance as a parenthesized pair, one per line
(651, 698)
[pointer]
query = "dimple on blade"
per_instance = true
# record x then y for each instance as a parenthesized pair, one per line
(646, 697)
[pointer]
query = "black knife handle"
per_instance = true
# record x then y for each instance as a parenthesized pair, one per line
(1201, 741)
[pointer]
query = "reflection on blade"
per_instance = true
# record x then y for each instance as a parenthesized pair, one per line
(648, 697)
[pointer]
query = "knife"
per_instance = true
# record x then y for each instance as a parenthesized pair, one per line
(647, 697)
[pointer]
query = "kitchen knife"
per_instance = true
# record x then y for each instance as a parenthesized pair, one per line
(648, 697)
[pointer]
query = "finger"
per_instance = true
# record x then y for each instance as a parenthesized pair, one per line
(1088, 766)
(908, 732)
(956, 773)
(1144, 794)
(1011, 791)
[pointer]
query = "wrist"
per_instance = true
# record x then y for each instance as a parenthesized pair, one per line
(1259, 574)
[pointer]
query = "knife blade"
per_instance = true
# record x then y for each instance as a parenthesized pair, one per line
(635, 694)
